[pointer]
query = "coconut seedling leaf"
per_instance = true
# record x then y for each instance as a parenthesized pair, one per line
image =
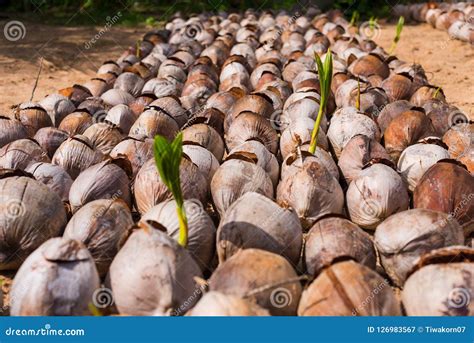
(354, 18)
(325, 79)
(168, 158)
(401, 22)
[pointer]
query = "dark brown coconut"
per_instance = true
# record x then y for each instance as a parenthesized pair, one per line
(397, 87)
(389, 112)
(349, 289)
(406, 129)
(448, 188)
(76, 123)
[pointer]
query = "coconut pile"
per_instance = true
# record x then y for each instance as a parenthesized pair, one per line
(378, 221)
(456, 18)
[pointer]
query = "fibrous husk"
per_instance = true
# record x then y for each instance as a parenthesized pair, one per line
(103, 136)
(397, 87)
(203, 159)
(11, 130)
(312, 192)
(236, 177)
(467, 158)
(201, 229)
(417, 159)
(255, 150)
(389, 112)
(247, 126)
(223, 305)
(259, 276)
(347, 123)
(21, 153)
(30, 214)
(255, 221)
(458, 138)
(405, 130)
(205, 136)
(299, 132)
(140, 275)
(442, 285)
(405, 236)
(368, 65)
(102, 226)
(77, 122)
(122, 117)
(349, 289)
(333, 239)
(359, 151)
(53, 176)
(377, 193)
(58, 106)
(104, 180)
(33, 117)
(149, 190)
(57, 279)
(76, 154)
(449, 188)
(50, 138)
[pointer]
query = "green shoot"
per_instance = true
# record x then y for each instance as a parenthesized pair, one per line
(325, 79)
(139, 43)
(354, 18)
(401, 22)
(167, 159)
(358, 94)
(372, 23)
(94, 310)
(435, 94)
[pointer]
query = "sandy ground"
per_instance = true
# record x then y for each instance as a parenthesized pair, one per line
(66, 59)
(448, 63)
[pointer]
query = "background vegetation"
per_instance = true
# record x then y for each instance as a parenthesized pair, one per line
(149, 11)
